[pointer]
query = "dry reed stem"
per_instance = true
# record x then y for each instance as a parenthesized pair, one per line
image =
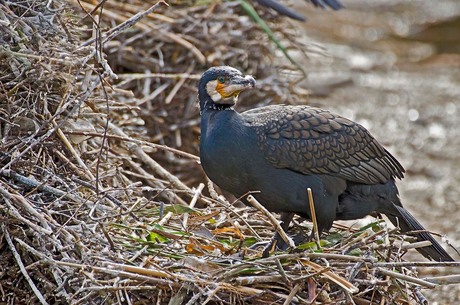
(311, 204)
(272, 219)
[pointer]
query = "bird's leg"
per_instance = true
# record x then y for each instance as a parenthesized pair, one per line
(277, 241)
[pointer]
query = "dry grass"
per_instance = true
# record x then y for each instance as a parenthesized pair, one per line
(92, 212)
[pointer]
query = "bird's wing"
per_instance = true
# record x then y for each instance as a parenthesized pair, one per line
(315, 141)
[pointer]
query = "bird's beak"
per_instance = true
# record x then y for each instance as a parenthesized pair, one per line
(235, 85)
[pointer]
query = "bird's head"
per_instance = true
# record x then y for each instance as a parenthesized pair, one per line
(219, 87)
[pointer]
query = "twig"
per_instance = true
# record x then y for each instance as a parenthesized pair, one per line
(72, 151)
(11, 210)
(282, 272)
(17, 257)
(346, 285)
(41, 186)
(331, 256)
(272, 219)
(406, 278)
(415, 245)
(178, 85)
(313, 217)
(157, 168)
(444, 280)
(420, 297)
(292, 294)
(224, 202)
(415, 264)
(193, 202)
(115, 31)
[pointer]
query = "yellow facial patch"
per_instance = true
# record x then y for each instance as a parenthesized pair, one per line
(227, 91)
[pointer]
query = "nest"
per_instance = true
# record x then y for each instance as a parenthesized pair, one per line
(93, 212)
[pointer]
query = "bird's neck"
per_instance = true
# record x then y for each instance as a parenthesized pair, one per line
(214, 116)
(207, 104)
(210, 106)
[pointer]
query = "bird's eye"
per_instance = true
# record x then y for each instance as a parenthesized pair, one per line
(221, 79)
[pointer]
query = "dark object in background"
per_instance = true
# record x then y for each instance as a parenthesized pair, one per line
(286, 11)
(280, 151)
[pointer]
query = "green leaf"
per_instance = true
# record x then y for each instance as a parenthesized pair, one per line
(249, 241)
(355, 252)
(179, 209)
(375, 226)
(334, 238)
(312, 245)
(155, 238)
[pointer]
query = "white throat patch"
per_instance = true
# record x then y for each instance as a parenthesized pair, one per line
(211, 89)
(217, 97)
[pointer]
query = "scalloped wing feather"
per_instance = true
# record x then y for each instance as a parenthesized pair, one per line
(315, 141)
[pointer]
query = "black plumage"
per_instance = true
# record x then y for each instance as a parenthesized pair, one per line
(280, 151)
(291, 13)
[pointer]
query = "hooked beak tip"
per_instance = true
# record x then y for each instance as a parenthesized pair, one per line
(251, 80)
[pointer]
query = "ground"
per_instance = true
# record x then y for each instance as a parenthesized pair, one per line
(394, 68)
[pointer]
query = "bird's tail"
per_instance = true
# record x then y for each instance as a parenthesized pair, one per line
(406, 222)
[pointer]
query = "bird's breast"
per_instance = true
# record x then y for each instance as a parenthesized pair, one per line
(228, 147)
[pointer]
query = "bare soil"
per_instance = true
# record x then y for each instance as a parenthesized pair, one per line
(394, 66)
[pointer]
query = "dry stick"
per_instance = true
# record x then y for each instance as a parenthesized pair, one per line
(292, 294)
(116, 288)
(166, 218)
(24, 203)
(13, 212)
(17, 257)
(115, 31)
(249, 280)
(309, 276)
(346, 285)
(112, 33)
(138, 76)
(40, 186)
(420, 297)
(178, 85)
(155, 183)
(152, 277)
(89, 174)
(211, 294)
(350, 258)
(420, 244)
(194, 300)
(193, 202)
(282, 272)
(137, 254)
(444, 280)
(146, 27)
(139, 271)
(157, 168)
(72, 166)
(57, 274)
(34, 142)
(354, 241)
(416, 264)
(407, 278)
(41, 58)
(313, 217)
(272, 219)
(139, 142)
(223, 202)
